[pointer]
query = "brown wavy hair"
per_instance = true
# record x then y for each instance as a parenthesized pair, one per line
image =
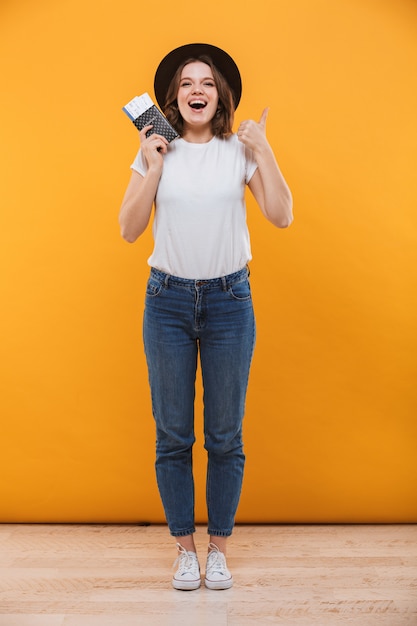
(222, 122)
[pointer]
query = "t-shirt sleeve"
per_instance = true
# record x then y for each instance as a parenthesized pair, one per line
(139, 164)
(251, 164)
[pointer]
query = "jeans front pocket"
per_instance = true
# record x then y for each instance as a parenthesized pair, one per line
(241, 291)
(153, 287)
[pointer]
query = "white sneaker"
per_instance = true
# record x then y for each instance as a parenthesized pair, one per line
(187, 577)
(217, 574)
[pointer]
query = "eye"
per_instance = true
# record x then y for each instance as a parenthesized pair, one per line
(209, 83)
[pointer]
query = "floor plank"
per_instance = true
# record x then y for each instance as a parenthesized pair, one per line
(115, 575)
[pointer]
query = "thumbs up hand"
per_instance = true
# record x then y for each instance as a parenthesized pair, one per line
(253, 134)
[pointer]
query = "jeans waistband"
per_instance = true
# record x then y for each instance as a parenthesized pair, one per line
(224, 282)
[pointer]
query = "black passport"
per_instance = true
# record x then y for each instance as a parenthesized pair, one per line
(143, 111)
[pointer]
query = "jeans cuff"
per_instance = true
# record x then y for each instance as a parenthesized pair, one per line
(182, 533)
(219, 533)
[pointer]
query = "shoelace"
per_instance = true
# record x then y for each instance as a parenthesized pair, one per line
(216, 561)
(186, 562)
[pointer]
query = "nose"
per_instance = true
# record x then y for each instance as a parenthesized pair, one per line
(197, 89)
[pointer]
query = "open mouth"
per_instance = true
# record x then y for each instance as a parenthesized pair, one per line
(198, 104)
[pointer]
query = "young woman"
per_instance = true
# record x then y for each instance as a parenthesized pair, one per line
(198, 299)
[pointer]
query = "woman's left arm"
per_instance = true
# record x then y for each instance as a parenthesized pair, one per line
(267, 184)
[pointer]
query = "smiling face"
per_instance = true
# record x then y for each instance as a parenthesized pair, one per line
(197, 96)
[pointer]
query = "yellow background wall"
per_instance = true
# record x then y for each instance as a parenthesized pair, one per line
(331, 425)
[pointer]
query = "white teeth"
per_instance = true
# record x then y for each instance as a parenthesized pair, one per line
(197, 104)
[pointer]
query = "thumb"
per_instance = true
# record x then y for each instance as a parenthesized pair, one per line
(264, 115)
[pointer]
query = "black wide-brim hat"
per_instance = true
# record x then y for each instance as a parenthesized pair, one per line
(170, 63)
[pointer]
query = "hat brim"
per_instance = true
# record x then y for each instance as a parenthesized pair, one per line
(170, 63)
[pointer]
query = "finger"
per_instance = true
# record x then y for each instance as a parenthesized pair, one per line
(144, 130)
(161, 142)
(153, 140)
(156, 137)
(264, 115)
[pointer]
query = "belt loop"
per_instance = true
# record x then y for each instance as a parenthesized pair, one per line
(166, 281)
(248, 269)
(224, 283)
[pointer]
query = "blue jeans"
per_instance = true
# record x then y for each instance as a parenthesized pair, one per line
(213, 319)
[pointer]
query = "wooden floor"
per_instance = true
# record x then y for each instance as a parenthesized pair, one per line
(98, 575)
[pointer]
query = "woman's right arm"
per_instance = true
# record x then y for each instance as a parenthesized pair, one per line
(140, 194)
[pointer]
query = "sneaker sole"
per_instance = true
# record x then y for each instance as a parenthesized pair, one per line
(218, 585)
(186, 585)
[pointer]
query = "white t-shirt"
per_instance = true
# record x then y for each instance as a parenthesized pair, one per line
(200, 229)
